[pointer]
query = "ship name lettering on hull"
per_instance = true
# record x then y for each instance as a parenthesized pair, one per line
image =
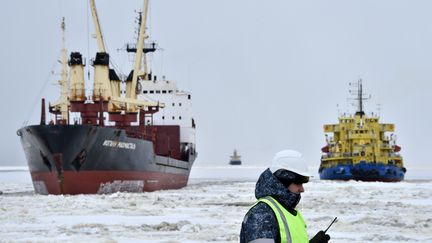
(116, 144)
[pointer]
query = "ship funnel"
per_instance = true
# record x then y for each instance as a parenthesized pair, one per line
(77, 83)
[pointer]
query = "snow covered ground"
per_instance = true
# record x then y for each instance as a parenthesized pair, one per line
(211, 209)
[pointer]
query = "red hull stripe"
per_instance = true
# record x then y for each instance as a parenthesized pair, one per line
(89, 182)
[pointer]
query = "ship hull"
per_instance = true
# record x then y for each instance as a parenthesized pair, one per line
(363, 172)
(83, 159)
(235, 162)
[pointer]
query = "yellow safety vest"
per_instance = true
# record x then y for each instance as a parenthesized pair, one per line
(292, 229)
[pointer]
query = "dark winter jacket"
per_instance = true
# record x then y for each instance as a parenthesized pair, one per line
(260, 222)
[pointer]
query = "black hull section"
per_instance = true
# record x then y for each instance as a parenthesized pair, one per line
(61, 156)
(235, 162)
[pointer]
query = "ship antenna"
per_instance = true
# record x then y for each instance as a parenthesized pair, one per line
(379, 108)
(338, 110)
(360, 96)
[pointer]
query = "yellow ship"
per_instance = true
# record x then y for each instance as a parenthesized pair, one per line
(361, 148)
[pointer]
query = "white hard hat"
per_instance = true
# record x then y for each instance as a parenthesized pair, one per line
(289, 160)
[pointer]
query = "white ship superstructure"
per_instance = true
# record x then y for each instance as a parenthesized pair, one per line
(177, 108)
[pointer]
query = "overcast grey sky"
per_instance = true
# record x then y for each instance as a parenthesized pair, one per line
(264, 75)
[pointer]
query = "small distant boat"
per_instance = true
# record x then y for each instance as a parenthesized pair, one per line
(235, 159)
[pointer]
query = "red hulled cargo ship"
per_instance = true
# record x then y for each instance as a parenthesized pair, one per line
(132, 135)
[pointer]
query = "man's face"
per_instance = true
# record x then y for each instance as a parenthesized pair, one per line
(296, 188)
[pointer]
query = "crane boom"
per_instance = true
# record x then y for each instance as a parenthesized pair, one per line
(98, 31)
(139, 52)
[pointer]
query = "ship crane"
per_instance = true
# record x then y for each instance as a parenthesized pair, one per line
(109, 90)
(98, 34)
(102, 87)
(138, 72)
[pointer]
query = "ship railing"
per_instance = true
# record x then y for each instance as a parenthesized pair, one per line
(336, 155)
(361, 136)
(386, 146)
(339, 154)
(395, 155)
(331, 128)
(139, 134)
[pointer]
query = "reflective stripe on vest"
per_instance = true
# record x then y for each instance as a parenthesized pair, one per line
(292, 229)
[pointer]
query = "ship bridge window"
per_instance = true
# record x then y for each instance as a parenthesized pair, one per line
(163, 117)
(170, 91)
(164, 91)
(151, 91)
(144, 91)
(157, 91)
(189, 97)
(179, 104)
(179, 117)
(173, 104)
(173, 117)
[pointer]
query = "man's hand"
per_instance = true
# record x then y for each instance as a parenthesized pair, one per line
(320, 237)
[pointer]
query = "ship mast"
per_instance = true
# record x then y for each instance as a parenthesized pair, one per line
(64, 103)
(360, 97)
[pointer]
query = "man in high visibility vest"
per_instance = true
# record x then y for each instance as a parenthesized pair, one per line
(274, 218)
